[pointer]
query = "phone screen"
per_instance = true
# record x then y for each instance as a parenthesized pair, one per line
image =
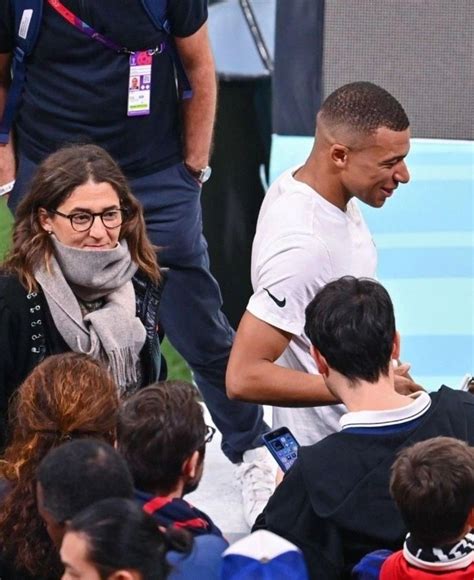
(283, 446)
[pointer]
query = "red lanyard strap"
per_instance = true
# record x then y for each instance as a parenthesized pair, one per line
(83, 26)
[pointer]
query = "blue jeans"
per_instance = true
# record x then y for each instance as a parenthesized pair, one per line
(191, 305)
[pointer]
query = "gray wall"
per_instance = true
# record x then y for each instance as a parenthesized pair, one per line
(419, 50)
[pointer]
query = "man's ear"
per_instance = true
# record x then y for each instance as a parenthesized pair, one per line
(190, 465)
(396, 346)
(124, 575)
(339, 154)
(321, 363)
(470, 520)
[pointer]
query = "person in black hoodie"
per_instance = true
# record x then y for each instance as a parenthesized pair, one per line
(162, 435)
(335, 502)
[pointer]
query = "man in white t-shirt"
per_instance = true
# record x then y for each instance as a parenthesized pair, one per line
(310, 231)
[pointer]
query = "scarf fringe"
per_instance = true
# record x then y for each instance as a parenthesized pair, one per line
(123, 366)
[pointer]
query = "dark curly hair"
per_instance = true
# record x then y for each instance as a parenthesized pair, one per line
(364, 107)
(66, 396)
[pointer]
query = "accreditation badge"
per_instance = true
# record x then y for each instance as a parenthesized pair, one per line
(139, 84)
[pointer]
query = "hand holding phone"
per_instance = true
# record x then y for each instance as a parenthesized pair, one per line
(283, 446)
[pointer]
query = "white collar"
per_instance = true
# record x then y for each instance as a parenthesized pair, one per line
(420, 405)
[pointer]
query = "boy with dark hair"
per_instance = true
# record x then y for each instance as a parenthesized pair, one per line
(433, 485)
(335, 502)
(75, 475)
(162, 435)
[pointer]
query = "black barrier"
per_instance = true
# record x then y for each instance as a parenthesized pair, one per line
(241, 34)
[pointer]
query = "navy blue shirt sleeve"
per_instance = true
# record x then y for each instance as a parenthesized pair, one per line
(186, 16)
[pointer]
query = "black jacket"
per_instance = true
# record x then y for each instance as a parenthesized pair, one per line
(335, 503)
(28, 335)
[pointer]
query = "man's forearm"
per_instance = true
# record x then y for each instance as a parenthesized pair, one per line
(7, 156)
(7, 163)
(270, 384)
(198, 117)
(198, 113)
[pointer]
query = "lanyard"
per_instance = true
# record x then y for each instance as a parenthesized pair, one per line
(83, 26)
(183, 82)
(91, 33)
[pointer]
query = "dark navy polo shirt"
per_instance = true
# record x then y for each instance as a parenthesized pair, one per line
(77, 89)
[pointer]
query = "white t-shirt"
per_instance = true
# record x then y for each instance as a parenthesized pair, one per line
(302, 242)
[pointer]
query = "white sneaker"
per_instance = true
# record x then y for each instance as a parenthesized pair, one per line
(256, 475)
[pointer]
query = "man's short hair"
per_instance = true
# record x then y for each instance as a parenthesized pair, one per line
(432, 483)
(159, 427)
(79, 473)
(364, 107)
(352, 324)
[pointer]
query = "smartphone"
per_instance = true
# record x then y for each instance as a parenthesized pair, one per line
(283, 446)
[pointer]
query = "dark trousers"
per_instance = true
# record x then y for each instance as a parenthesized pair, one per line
(191, 305)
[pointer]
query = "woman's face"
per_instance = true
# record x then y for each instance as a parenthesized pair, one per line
(89, 198)
(75, 559)
(77, 566)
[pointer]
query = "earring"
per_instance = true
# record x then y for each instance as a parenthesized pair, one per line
(49, 232)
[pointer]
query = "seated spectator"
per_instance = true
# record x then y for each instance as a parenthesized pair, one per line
(335, 503)
(65, 397)
(433, 485)
(73, 477)
(79, 474)
(162, 435)
(116, 539)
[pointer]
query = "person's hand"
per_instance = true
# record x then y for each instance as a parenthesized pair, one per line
(279, 476)
(404, 384)
(7, 165)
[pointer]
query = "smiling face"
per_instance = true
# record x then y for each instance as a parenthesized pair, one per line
(372, 172)
(90, 197)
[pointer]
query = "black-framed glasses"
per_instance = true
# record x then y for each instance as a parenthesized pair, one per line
(210, 432)
(82, 221)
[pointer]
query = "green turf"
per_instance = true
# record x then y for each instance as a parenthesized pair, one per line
(177, 368)
(6, 221)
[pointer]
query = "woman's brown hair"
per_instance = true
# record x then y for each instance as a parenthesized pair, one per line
(66, 396)
(54, 181)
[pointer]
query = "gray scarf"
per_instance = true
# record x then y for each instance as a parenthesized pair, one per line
(113, 333)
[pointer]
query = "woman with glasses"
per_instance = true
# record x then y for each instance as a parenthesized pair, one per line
(81, 275)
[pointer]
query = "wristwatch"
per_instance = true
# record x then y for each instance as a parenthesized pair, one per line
(4, 189)
(202, 175)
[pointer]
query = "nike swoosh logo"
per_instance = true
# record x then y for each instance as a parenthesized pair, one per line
(281, 303)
